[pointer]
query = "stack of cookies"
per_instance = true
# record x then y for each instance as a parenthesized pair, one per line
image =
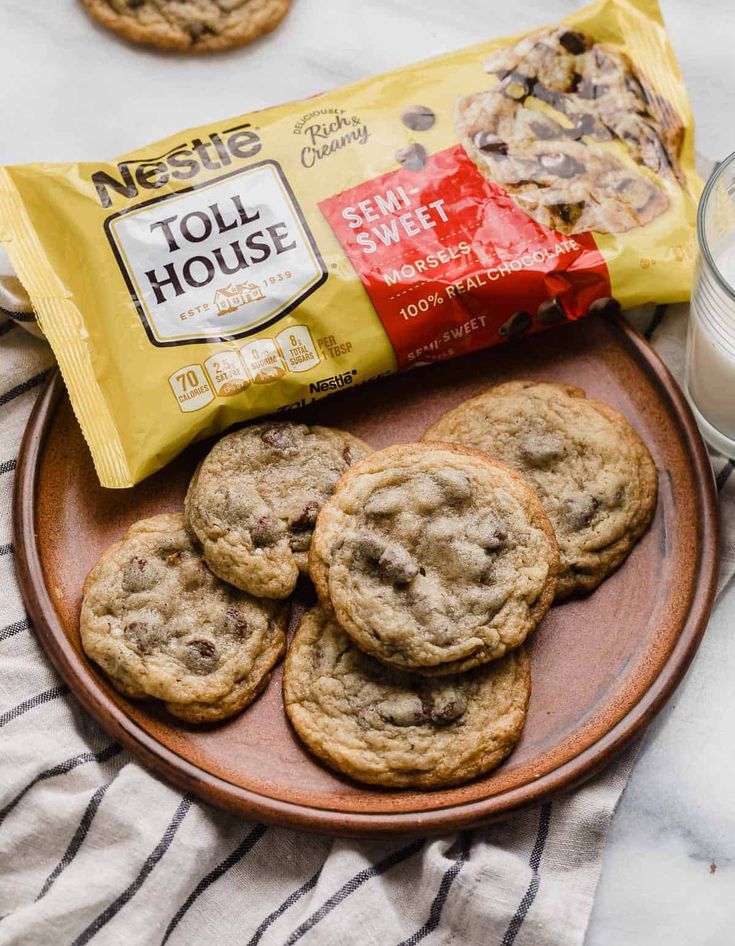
(432, 563)
(190, 608)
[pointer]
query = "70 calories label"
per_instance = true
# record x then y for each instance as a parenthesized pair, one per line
(452, 264)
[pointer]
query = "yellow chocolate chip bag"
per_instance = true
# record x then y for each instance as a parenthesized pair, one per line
(261, 262)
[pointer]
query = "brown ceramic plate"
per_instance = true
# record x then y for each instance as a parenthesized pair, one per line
(602, 667)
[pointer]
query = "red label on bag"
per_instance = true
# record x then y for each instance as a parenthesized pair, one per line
(452, 264)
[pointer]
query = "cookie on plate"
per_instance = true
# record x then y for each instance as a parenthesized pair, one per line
(189, 25)
(573, 133)
(592, 471)
(386, 727)
(434, 558)
(160, 624)
(254, 499)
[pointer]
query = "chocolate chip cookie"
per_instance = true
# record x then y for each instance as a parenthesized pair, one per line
(189, 25)
(253, 501)
(386, 727)
(573, 133)
(160, 624)
(434, 558)
(593, 473)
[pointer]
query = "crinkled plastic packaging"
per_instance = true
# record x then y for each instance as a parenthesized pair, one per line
(256, 264)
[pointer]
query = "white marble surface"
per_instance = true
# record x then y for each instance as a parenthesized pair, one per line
(71, 91)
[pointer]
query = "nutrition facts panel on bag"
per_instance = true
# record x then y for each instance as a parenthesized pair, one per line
(230, 372)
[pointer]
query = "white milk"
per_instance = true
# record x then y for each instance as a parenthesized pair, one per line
(711, 348)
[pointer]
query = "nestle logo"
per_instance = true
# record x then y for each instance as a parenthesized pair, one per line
(181, 163)
(331, 384)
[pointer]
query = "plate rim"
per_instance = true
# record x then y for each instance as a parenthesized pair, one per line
(223, 794)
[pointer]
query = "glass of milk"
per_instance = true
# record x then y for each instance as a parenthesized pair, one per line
(710, 367)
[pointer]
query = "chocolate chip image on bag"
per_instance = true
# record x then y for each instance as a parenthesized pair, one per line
(259, 263)
(544, 133)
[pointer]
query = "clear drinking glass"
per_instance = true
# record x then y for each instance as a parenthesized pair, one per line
(710, 363)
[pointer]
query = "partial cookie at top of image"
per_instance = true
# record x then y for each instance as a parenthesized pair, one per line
(160, 624)
(189, 25)
(254, 499)
(592, 471)
(574, 134)
(434, 558)
(390, 728)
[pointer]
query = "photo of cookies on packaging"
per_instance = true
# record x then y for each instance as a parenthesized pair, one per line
(574, 134)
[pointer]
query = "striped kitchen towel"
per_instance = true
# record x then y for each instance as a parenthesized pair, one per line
(93, 848)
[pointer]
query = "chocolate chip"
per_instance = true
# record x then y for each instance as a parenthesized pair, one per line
(279, 436)
(197, 30)
(637, 191)
(603, 61)
(517, 86)
(634, 86)
(573, 42)
(397, 566)
(369, 548)
(418, 118)
(266, 531)
(584, 88)
(546, 128)
(412, 157)
(561, 165)
(550, 312)
(584, 125)
(146, 637)
(447, 706)
(489, 533)
(201, 656)
(300, 541)
(550, 96)
(306, 518)
(617, 498)
(574, 82)
(489, 143)
(348, 456)
(516, 325)
(139, 574)
(604, 306)
(235, 623)
(587, 89)
(317, 655)
(540, 450)
(403, 710)
(566, 213)
(579, 510)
